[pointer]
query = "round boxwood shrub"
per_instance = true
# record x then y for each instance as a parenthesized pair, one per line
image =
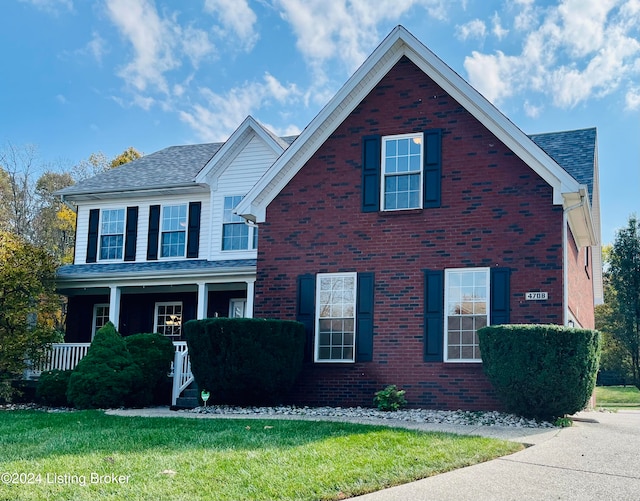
(245, 361)
(106, 376)
(52, 388)
(541, 371)
(153, 354)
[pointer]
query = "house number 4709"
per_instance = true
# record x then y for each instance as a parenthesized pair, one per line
(537, 296)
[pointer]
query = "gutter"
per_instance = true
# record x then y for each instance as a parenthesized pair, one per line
(565, 255)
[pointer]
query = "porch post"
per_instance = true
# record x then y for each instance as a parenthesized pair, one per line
(202, 301)
(114, 305)
(250, 293)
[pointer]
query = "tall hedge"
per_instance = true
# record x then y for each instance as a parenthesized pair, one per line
(541, 371)
(153, 354)
(106, 376)
(245, 361)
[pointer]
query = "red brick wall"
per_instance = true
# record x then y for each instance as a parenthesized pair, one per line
(495, 212)
(580, 284)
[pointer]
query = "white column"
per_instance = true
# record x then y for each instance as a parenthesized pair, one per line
(250, 292)
(114, 306)
(202, 300)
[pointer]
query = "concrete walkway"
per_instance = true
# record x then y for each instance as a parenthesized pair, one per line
(598, 459)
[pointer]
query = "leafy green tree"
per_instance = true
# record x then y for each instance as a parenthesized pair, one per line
(621, 317)
(28, 307)
(128, 155)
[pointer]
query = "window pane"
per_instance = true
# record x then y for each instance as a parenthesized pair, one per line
(336, 317)
(466, 300)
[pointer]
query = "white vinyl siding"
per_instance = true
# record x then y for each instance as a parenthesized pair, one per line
(143, 205)
(238, 178)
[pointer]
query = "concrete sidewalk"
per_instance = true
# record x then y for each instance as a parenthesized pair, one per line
(596, 459)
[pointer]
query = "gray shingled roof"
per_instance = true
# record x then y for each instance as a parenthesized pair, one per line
(71, 271)
(173, 166)
(574, 151)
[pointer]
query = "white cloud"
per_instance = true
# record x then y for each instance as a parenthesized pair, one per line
(221, 114)
(97, 47)
(579, 50)
(497, 28)
(159, 43)
(472, 29)
(532, 110)
(236, 16)
(632, 99)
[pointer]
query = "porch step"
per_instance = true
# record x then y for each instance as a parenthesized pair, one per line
(189, 399)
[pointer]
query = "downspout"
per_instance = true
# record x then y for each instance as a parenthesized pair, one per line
(565, 258)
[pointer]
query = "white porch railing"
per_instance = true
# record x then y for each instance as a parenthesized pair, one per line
(182, 376)
(65, 356)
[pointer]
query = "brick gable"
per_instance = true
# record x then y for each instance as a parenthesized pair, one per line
(495, 212)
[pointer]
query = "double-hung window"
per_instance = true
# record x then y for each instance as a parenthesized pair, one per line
(236, 235)
(173, 231)
(466, 311)
(335, 317)
(168, 319)
(111, 234)
(402, 161)
(100, 317)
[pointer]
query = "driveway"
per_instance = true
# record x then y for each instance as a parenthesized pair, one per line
(598, 459)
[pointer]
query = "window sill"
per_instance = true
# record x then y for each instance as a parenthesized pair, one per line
(400, 212)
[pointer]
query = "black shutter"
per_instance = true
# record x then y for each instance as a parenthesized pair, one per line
(306, 311)
(154, 230)
(433, 315)
(92, 239)
(371, 173)
(500, 296)
(193, 233)
(364, 317)
(432, 168)
(131, 234)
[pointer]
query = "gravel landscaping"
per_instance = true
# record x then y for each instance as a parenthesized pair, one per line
(473, 418)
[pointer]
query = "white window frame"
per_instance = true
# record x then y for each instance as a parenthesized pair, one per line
(104, 234)
(235, 219)
(234, 304)
(417, 138)
(319, 307)
(104, 315)
(157, 325)
(163, 231)
(448, 298)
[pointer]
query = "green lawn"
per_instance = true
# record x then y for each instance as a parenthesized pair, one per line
(48, 456)
(617, 396)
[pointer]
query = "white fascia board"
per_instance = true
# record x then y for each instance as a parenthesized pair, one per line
(397, 44)
(235, 144)
(184, 189)
(580, 218)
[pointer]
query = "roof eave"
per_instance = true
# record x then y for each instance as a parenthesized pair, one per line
(169, 189)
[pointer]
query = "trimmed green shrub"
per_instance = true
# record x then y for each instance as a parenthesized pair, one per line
(390, 399)
(52, 388)
(153, 354)
(106, 376)
(245, 361)
(541, 371)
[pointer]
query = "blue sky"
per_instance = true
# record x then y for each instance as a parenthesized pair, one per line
(80, 77)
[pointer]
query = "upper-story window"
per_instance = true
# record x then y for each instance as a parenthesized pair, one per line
(112, 233)
(236, 235)
(173, 230)
(402, 171)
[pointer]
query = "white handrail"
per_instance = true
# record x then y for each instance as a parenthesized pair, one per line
(182, 375)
